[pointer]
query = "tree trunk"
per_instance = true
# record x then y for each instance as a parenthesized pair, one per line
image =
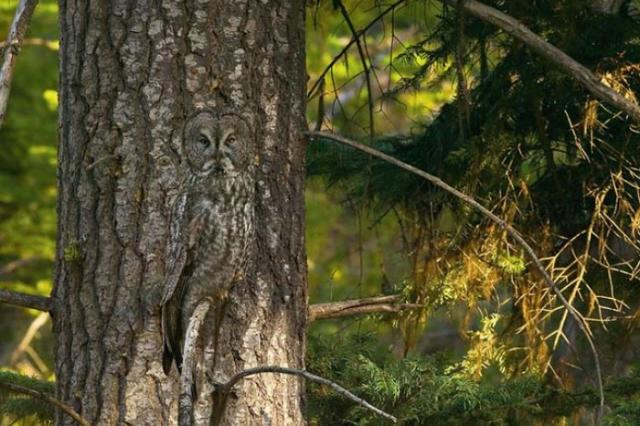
(132, 73)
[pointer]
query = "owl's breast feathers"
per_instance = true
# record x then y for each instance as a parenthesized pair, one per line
(211, 225)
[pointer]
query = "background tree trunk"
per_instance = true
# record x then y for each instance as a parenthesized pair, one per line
(131, 73)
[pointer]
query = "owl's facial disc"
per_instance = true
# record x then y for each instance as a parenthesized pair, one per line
(216, 144)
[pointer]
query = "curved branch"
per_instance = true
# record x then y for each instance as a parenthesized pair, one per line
(40, 303)
(226, 387)
(548, 51)
(495, 219)
(46, 398)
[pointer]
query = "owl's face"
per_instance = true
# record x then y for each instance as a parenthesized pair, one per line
(217, 145)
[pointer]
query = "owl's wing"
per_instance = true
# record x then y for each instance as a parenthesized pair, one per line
(174, 284)
(186, 230)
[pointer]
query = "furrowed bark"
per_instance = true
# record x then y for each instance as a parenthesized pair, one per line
(132, 72)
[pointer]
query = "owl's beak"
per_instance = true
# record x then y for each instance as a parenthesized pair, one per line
(213, 166)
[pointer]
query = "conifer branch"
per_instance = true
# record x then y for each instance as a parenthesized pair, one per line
(537, 263)
(46, 398)
(17, 31)
(40, 303)
(551, 53)
(226, 387)
(369, 305)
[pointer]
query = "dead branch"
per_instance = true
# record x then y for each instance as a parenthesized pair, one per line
(46, 398)
(18, 29)
(40, 303)
(548, 51)
(226, 387)
(370, 305)
(537, 263)
(344, 50)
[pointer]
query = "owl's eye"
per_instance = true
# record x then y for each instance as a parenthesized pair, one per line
(231, 140)
(203, 141)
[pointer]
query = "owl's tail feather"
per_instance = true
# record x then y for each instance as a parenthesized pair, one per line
(167, 360)
(170, 334)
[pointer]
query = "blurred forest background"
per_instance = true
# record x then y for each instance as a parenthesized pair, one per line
(477, 337)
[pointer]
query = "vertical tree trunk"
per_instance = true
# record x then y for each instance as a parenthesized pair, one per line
(132, 72)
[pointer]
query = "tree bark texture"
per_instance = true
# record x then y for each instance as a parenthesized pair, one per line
(132, 73)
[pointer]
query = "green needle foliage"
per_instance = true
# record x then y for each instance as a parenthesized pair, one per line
(433, 390)
(17, 406)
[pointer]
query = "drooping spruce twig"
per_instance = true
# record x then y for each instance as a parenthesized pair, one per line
(495, 219)
(41, 303)
(46, 398)
(363, 58)
(548, 51)
(17, 31)
(463, 92)
(226, 387)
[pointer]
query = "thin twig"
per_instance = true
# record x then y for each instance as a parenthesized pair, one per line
(226, 387)
(363, 58)
(40, 303)
(369, 305)
(348, 45)
(47, 398)
(548, 51)
(497, 220)
(18, 29)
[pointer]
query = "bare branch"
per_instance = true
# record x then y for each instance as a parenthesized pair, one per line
(46, 398)
(537, 263)
(226, 387)
(30, 301)
(363, 58)
(548, 51)
(348, 45)
(18, 29)
(369, 305)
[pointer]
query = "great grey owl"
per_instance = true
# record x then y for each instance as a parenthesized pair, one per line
(211, 224)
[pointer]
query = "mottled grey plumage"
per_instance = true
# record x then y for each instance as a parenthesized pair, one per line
(211, 223)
